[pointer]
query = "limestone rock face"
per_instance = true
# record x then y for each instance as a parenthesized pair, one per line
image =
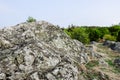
(39, 51)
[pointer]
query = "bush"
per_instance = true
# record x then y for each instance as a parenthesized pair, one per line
(114, 30)
(109, 37)
(78, 34)
(103, 31)
(94, 34)
(31, 19)
(86, 34)
(118, 37)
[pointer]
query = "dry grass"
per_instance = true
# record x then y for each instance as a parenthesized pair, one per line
(103, 49)
(111, 70)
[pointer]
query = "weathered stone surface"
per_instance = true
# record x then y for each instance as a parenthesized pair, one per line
(117, 62)
(93, 53)
(39, 51)
(2, 76)
(116, 46)
(102, 63)
(113, 45)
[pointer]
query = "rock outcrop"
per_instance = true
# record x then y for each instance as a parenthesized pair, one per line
(39, 51)
(42, 51)
(117, 62)
(113, 45)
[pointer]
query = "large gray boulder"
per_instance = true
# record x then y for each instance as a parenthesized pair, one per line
(39, 51)
(113, 45)
(116, 46)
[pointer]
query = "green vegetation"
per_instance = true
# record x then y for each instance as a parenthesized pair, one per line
(94, 75)
(92, 64)
(118, 37)
(115, 69)
(31, 19)
(78, 33)
(87, 34)
(109, 37)
(114, 30)
(110, 62)
(94, 34)
(91, 76)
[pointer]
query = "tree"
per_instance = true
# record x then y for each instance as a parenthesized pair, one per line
(78, 33)
(94, 34)
(114, 30)
(31, 19)
(118, 37)
(103, 31)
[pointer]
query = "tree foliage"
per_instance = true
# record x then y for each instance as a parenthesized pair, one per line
(94, 34)
(78, 33)
(114, 30)
(86, 34)
(31, 19)
(118, 37)
(109, 37)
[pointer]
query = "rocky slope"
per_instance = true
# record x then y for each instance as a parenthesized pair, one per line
(106, 67)
(42, 51)
(38, 50)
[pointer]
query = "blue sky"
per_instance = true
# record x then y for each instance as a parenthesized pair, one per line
(61, 12)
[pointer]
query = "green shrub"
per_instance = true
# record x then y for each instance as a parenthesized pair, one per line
(114, 30)
(85, 34)
(103, 31)
(78, 34)
(118, 37)
(31, 19)
(109, 37)
(94, 34)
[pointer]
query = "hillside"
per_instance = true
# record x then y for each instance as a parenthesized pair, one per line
(105, 64)
(42, 51)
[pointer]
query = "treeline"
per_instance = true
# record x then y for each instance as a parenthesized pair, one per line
(86, 34)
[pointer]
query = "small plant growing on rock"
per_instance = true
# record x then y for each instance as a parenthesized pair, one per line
(31, 19)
